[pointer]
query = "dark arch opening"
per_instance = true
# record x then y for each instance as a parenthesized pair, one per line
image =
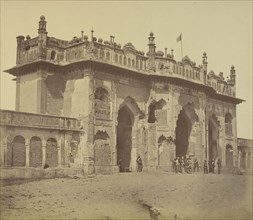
(183, 131)
(35, 155)
(53, 55)
(18, 158)
(213, 137)
(102, 94)
(124, 138)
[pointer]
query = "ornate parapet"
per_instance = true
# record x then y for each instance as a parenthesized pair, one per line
(31, 120)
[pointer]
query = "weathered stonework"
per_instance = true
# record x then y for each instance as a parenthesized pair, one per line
(91, 104)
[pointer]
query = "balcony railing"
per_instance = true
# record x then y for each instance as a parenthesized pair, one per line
(25, 119)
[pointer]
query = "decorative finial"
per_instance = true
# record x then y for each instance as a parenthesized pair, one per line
(92, 31)
(42, 17)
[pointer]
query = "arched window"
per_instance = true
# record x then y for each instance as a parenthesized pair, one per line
(108, 56)
(228, 124)
(125, 61)
(102, 54)
(129, 62)
(141, 64)
(133, 63)
(102, 104)
(137, 64)
(53, 55)
(120, 59)
(102, 94)
(116, 58)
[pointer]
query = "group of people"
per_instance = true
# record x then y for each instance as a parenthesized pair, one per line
(213, 166)
(122, 168)
(185, 165)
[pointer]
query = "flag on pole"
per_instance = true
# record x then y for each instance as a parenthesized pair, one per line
(179, 38)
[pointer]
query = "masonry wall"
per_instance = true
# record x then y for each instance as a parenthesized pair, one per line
(55, 94)
(28, 92)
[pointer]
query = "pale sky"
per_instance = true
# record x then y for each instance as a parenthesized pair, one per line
(222, 29)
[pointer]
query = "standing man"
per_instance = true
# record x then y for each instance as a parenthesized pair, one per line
(213, 165)
(219, 165)
(196, 165)
(205, 167)
(139, 163)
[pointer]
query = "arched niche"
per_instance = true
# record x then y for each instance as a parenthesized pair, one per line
(102, 149)
(51, 152)
(18, 152)
(35, 153)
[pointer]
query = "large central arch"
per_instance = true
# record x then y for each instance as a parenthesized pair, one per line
(213, 138)
(127, 115)
(124, 136)
(186, 119)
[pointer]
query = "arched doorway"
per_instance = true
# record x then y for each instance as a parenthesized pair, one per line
(18, 152)
(124, 136)
(213, 138)
(163, 152)
(35, 157)
(183, 131)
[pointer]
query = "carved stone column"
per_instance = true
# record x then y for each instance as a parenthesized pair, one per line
(246, 160)
(44, 143)
(27, 152)
(239, 158)
(18, 93)
(4, 153)
(59, 156)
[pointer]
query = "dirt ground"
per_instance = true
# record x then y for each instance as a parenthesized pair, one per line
(130, 196)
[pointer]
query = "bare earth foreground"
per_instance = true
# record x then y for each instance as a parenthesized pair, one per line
(129, 195)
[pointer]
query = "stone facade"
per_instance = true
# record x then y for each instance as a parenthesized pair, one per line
(245, 154)
(123, 104)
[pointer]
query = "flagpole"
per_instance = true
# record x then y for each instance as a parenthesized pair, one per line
(181, 46)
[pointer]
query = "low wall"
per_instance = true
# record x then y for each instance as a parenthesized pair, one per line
(37, 173)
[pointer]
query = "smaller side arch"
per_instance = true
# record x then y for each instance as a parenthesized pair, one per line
(102, 149)
(35, 154)
(18, 152)
(51, 152)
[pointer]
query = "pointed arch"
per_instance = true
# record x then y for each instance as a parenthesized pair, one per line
(213, 137)
(18, 152)
(35, 154)
(102, 149)
(228, 124)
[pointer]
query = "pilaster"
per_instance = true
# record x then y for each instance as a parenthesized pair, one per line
(27, 152)
(44, 143)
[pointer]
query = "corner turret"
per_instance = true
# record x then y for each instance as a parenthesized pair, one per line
(151, 53)
(42, 44)
(204, 66)
(20, 41)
